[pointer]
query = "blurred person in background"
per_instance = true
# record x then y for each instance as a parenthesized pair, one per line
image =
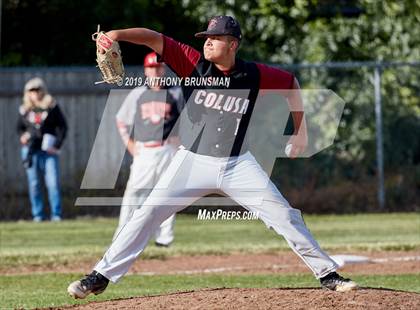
(42, 129)
(149, 112)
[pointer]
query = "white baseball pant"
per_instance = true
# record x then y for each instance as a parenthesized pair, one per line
(145, 171)
(191, 176)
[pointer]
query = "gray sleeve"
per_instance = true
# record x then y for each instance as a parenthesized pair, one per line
(127, 111)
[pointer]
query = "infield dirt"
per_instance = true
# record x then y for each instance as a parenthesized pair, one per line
(292, 299)
(396, 262)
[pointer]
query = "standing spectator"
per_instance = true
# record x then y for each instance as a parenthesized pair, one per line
(42, 129)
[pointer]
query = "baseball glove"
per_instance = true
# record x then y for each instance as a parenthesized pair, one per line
(110, 62)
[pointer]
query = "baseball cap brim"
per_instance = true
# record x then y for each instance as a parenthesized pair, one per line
(204, 34)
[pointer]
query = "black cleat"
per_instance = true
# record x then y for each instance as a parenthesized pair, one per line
(333, 281)
(94, 283)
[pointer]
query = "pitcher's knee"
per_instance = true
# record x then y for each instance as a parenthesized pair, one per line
(151, 212)
(283, 219)
(284, 213)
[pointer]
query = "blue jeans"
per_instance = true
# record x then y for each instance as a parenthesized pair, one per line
(44, 166)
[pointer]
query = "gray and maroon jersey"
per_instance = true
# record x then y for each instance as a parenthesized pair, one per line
(153, 113)
(218, 116)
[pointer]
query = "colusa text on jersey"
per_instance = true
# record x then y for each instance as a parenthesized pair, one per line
(223, 102)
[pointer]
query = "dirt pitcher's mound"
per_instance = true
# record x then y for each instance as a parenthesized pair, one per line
(268, 299)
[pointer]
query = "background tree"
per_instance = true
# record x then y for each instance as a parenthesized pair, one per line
(284, 32)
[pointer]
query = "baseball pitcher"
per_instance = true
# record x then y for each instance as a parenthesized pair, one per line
(214, 156)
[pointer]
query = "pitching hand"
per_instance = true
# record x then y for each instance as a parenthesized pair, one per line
(298, 144)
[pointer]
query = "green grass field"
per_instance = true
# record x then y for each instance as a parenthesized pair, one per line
(76, 240)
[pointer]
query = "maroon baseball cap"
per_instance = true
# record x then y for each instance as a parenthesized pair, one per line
(222, 25)
(151, 60)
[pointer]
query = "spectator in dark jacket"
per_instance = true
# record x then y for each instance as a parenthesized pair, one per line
(42, 129)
